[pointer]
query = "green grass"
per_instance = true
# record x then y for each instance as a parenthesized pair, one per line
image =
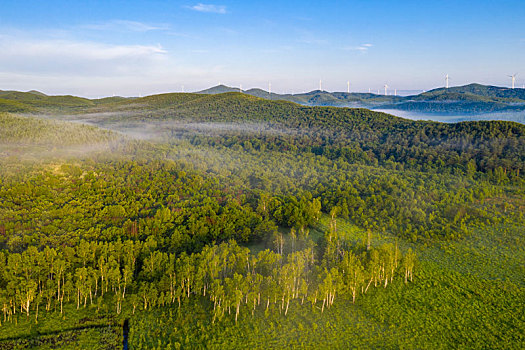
(75, 329)
(492, 253)
(466, 294)
(441, 309)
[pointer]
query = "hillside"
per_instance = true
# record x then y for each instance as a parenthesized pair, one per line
(358, 135)
(219, 89)
(472, 98)
(28, 130)
(35, 101)
(256, 220)
(468, 99)
(312, 98)
(516, 95)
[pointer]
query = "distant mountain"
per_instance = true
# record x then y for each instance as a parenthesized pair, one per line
(113, 99)
(312, 98)
(259, 93)
(16, 101)
(472, 98)
(482, 90)
(219, 89)
(473, 93)
(468, 99)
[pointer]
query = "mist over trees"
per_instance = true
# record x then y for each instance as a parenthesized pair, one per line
(229, 209)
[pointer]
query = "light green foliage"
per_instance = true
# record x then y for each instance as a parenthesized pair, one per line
(302, 227)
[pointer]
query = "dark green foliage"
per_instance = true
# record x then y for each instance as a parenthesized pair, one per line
(354, 135)
(471, 91)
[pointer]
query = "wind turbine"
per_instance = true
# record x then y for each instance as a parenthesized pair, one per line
(270, 89)
(320, 85)
(348, 87)
(446, 81)
(240, 88)
(386, 87)
(513, 79)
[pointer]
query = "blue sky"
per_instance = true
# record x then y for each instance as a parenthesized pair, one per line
(130, 48)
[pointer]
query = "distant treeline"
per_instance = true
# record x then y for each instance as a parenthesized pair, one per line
(354, 134)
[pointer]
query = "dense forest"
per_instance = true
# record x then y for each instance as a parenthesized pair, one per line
(233, 221)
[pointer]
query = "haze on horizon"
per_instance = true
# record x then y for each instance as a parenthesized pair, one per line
(132, 48)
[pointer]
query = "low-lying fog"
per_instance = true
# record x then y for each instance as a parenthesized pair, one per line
(456, 117)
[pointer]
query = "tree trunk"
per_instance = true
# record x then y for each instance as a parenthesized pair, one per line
(368, 285)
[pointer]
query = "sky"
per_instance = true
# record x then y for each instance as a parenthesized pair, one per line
(137, 48)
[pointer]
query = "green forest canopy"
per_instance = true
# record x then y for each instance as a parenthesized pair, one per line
(141, 225)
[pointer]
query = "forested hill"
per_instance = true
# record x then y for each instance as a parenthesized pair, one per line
(236, 220)
(37, 102)
(24, 130)
(479, 91)
(357, 135)
(354, 134)
(472, 98)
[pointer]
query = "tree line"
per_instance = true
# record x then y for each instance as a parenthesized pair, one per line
(138, 275)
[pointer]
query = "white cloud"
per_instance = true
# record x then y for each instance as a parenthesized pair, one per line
(209, 8)
(95, 69)
(125, 26)
(79, 57)
(77, 49)
(363, 48)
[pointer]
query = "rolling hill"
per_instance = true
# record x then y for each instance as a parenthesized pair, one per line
(472, 98)
(232, 195)
(468, 99)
